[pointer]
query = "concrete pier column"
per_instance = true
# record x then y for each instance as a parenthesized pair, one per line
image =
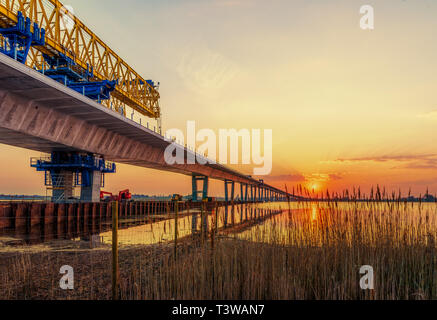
(195, 188)
(231, 196)
(92, 193)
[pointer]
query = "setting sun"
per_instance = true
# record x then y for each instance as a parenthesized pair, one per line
(314, 186)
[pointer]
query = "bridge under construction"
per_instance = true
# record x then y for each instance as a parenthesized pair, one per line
(64, 92)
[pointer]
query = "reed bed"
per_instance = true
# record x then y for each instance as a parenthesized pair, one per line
(312, 250)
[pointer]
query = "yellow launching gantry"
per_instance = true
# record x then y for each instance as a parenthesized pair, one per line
(62, 47)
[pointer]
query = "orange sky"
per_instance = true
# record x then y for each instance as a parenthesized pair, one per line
(347, 107)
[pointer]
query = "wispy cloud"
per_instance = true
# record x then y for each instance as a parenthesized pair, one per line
(205, 71)
(319, 177)
(335, 176)
(428, 115)
(232, 3)
(410, 161)
(288, 177)
(425, 164)
(386, 158)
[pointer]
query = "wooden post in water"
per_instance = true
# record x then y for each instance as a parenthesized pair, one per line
(176, 209)
(217, 217)
(115, 273)
(201, 222)
(214, 226)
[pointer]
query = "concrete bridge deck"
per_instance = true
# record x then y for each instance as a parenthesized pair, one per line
(38, 113)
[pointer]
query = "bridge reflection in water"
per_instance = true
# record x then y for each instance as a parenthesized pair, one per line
(139, 224)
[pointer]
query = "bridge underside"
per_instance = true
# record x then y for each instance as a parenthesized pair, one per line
(40, 114)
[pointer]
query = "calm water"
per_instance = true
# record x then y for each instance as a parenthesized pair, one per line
(225, 219)
(140, 231)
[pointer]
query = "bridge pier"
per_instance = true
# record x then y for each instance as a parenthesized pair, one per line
(195, 190)
(91, 192)
(246, 194)
(66, 170)
(243, 192)
(232, 197)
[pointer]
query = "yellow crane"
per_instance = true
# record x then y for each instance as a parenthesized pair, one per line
(68, 38)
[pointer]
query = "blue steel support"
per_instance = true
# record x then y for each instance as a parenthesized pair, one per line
(66, 170)
(232, 196)
(196, 192)
(18, 39)
(64, 70)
